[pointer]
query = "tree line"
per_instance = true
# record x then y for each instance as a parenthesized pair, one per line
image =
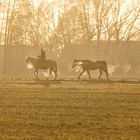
(69, 22)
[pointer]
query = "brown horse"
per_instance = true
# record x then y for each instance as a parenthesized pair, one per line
(90, 65)
(38, 65)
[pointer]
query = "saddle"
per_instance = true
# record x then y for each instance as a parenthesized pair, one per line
(41, 61)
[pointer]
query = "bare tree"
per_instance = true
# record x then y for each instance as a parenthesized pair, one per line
(123, 24)
(9, 12)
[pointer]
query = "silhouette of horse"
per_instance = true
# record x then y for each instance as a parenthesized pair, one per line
(42, 65)
(90, 65)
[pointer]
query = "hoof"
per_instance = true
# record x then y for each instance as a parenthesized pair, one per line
(47, 78)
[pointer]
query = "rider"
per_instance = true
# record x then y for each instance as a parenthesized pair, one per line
(42, 56)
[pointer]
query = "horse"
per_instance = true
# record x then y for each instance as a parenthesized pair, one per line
(42, 65)
(91, 65)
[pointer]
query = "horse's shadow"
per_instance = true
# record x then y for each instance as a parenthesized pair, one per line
(96, 81)
(46, 83)
(111, 81)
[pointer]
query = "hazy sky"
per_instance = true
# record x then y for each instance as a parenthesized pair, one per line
(37, 2)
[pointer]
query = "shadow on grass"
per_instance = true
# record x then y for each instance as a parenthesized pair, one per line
(112, 81)
(66, 81)
(45, 83)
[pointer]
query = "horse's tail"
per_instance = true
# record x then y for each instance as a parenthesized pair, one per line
(106, 69)
(55, 68)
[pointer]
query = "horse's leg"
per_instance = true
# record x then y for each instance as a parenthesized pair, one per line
(47, 76)
(100, 74)
(36, 74)
(81, 74)
(55, 72)
(50, 71)
(106, 72)
(107, 75)
(89, 74)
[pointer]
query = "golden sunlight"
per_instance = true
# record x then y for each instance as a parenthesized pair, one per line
(37, 2)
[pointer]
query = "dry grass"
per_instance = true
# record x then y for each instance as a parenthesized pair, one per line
(69, 110)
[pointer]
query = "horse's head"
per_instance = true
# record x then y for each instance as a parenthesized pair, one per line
(75, 63)
(27, 59)
(32, 60)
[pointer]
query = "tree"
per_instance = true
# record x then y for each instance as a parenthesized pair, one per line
(123, 24)
(68, 31)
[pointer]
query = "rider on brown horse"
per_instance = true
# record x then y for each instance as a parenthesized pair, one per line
(42, 56)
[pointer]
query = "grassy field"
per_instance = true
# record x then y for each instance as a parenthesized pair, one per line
(69, 110)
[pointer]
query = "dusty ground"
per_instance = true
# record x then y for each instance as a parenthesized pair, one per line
(69, 110)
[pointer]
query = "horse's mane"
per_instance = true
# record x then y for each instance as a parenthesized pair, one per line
(31, 57)
(83, 61)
